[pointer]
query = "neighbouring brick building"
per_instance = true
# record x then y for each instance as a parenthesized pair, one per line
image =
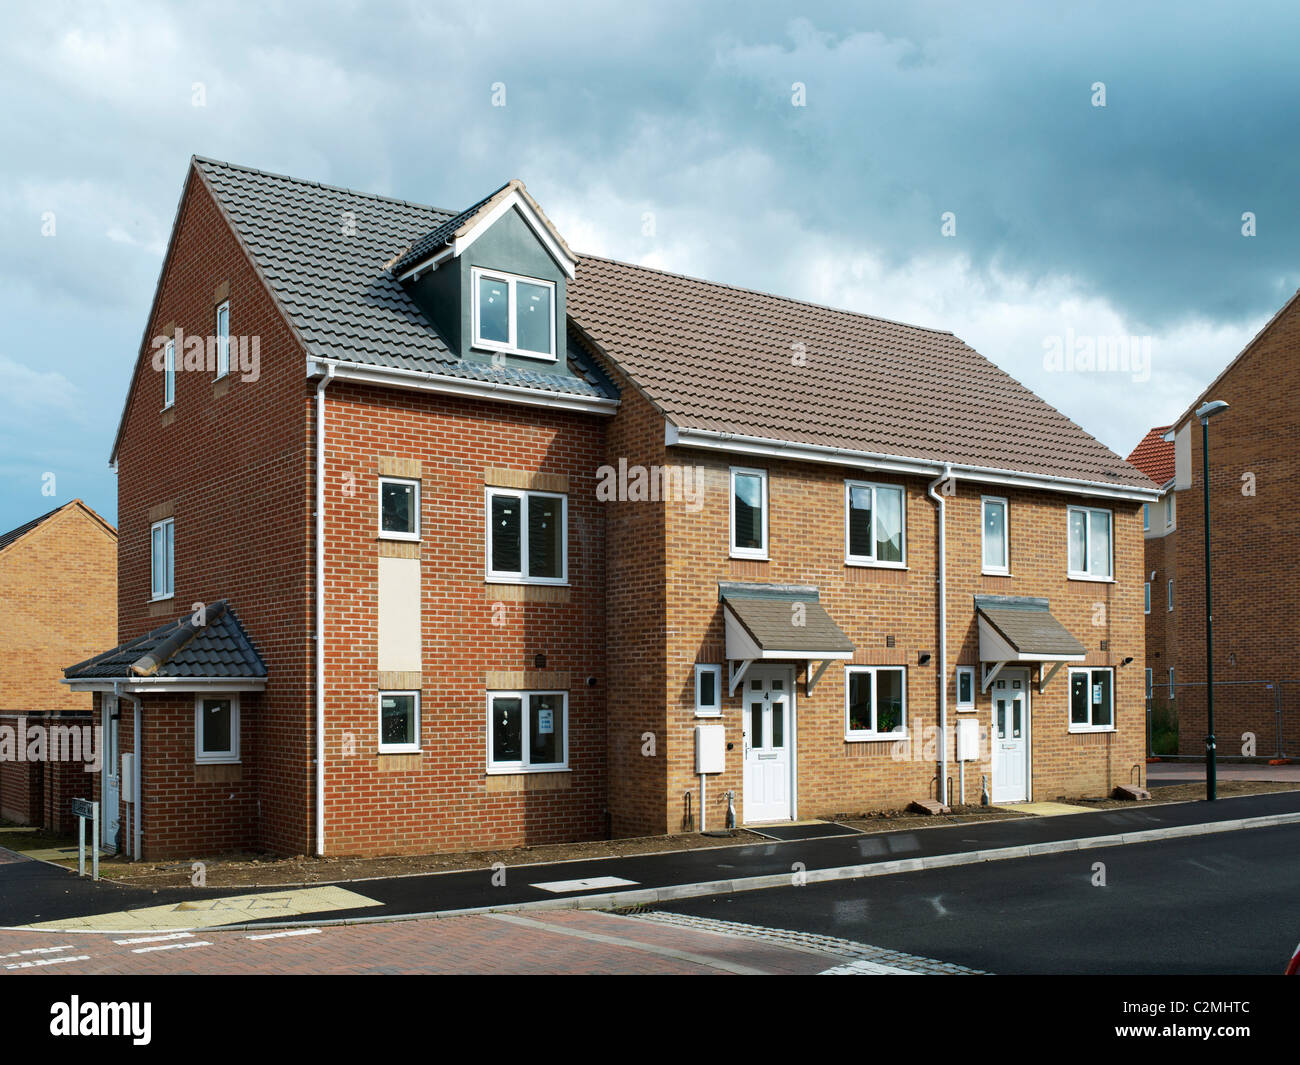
(1255, 561)
(448, 537)
(58, 587)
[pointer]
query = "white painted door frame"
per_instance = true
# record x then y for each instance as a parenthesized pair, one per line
(765, 673)
(1008, 676)
(110, 772)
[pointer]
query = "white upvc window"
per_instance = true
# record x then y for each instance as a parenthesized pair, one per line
(399, 722)
(748, 522)
(216, 729)
(995, 536)
(1146, 516)
(1151, 683)
(513, 314)
(875, 524)
(1088, 530)
(1092, 700)
(162, 558)
(399, 508)
(169, 374)
(223, 339)
(875, 702)
(527, 731)
(708, 691)
(1146, 599)
(1171, 509)
(965, 687)
(527, 537)
(1171, 593)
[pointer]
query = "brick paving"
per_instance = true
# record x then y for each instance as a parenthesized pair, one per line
(549, 942)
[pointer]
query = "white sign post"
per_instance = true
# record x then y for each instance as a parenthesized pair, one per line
(83, 809)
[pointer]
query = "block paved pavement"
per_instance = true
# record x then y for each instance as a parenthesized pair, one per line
(576, 942)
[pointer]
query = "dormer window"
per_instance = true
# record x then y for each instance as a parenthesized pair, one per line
(514, 314)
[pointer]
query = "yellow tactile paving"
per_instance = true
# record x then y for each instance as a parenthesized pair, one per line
(1048, 809)
(209, 913)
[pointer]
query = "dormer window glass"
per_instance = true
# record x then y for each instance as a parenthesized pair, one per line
(514, 314)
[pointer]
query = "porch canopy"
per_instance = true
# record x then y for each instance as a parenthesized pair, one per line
(206, 650)
(1015, 629)
(779, 622)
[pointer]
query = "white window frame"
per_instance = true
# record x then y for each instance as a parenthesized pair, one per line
(1171, 510)
(522, 766)
(169, 375)
(1146, 517)
(168, 527)
(1005, 569)
(1171, 593)
(397, 748)
(859, 734)
(388, 534)
(870, 560)
(1146, 600)
(522, 577)
(967, 671)
(227, 757)
(509, 347)
(760, 553)
(1151, 681)
(703, 709)
(1114, 699)
(223, 340)
(1084, 574)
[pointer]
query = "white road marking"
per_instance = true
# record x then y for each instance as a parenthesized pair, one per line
(35, 950)
(47, 961)
(172, 946)
(153, 939)
(592, 883)
(291, 932)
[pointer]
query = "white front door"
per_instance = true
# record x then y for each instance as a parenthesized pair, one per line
(768, 707)
(1010, 736)
(110, 817)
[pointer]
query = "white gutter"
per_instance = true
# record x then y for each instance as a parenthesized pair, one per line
(942, 789)
(781, 449)
(166, 684)
(424, 381)
(321, 385)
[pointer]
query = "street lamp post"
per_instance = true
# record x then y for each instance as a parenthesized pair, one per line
(1205, 412)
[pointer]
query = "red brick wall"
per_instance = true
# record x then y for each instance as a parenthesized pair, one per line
(1256, 555)
(446, 800)
(234, 463)
(58, 584)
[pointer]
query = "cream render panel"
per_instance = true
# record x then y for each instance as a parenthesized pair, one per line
(400, 642)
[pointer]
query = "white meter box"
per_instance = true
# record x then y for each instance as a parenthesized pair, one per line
(710, 748)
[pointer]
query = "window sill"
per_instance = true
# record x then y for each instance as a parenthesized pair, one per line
(874, 737)
(514, 771)
(996, 573)
(493, 349)
(401, 750)
(1077, 730)
(867, 564)
(1089, 580)
(162, 598)
(218, 761)
(966, 709)
(534, 583)
(404, 538)
(749, 558)
(715, 714)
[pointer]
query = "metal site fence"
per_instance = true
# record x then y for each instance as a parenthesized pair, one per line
(1252, 718)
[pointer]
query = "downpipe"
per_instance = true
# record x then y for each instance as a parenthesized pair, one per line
(321, 385)
(942, 744)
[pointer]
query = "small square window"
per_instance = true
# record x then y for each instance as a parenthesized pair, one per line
(1089, 550)
(875, 702)
(1092, 700)
(527, 537)
(399, 722)
(399, 509)
(216, 729)
(513, 314)
(874, 524)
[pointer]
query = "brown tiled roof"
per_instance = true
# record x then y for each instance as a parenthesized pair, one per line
(1028, 626)
(1154, 455)
(764, 612)
(731, 360)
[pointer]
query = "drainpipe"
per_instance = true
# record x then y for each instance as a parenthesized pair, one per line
(321, 385)
(137, 769)
(943, 635)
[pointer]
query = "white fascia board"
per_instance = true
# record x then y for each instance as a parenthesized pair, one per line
(423, 381)
(514, 199)
(144, 685)
(426, 265)
(675, 436)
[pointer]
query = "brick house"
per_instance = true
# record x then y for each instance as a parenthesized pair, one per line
(505, 543)
(1255, 552)
(58, 584)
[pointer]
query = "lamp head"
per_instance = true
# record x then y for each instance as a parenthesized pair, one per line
(1209, 409)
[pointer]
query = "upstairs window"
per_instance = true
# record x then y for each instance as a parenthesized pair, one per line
(873, 524)
(399, 509)
(748, 513)
(1170, 510)
(513, 314)
(1090, 555)
(526, 537)
(162, 549)
(169, 374)
(1146, 516)
(994, 535)
(223, 340)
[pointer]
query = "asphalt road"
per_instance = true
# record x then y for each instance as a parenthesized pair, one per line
(1223, 904)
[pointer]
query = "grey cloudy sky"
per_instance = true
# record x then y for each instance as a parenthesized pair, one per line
(1071, 220)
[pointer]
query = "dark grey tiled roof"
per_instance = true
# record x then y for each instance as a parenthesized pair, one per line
(1028, 626)
(8, 538)
(325, 252)
(764, 610)
(180, 648)
(430, 241)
